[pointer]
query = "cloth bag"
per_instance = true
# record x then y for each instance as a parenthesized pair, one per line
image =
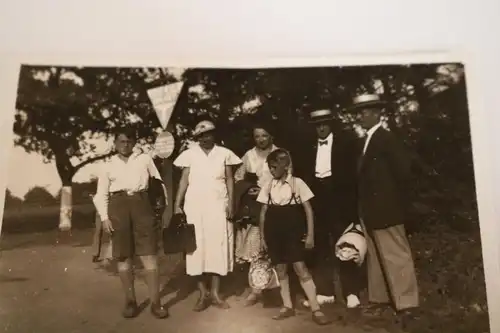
(262, 274)
(179, 236)
(352, 244)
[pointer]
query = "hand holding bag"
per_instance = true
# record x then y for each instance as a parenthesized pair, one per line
(179, 236)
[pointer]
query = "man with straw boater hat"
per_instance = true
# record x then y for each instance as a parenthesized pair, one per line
(383, 179)
(329, 167)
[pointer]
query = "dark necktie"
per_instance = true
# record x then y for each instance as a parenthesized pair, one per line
(323, 142)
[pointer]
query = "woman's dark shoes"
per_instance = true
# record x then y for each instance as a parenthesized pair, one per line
(96, 259)
(131, 310)
(202, 304)
(320, 318)
(284, 314)
(219, 303)
(159, 311)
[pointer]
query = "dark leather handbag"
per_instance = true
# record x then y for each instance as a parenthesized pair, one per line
(179, 236)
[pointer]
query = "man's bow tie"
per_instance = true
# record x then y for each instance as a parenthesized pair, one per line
(322, 142)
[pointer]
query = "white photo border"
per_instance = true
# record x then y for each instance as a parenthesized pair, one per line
(480, 85)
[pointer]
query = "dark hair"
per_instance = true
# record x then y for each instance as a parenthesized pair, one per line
(266, 127)
(280, 156)
(128, 132)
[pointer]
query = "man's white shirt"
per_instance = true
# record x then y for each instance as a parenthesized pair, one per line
(324, 157)
(369, 135)
(118, 175)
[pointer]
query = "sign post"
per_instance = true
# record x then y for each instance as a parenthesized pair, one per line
(164, 99)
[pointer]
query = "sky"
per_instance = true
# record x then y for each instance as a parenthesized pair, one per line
(28, 170)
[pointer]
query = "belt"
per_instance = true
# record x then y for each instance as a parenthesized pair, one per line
(324, 179)
(127, 193)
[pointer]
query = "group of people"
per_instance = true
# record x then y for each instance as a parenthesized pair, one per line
(299, 209)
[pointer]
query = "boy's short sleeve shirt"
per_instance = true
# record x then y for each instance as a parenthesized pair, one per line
(281, 192)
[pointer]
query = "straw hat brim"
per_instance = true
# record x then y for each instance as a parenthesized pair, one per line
(322, 119)
(379, 104)
(208, 130)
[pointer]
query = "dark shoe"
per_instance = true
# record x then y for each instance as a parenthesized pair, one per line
(96, 259)
(159, 311)
(221, 304)
(320, 318)
(202, 304)
(284, 314)
(376, 309)
(412, 313)
(373, 306)
(131, 310)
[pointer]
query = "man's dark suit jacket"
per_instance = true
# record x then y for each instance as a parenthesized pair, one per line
(345, 153)
(383, 177)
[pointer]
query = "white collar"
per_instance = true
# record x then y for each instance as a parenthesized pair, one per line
(373, 129)
(288, 179)
(132, 156)
(199, 147)
(328, 139)
(273, 148)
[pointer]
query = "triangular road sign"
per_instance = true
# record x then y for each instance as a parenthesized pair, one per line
(164, 99)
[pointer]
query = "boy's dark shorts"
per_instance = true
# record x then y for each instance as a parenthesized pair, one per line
(136, 232)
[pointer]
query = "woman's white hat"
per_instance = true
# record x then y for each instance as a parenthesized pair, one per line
(203, 127)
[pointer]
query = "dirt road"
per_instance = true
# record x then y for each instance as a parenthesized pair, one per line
(55, 288)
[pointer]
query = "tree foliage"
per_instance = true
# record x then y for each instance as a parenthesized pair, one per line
(58, 108)
(11, 201)
(39, 196)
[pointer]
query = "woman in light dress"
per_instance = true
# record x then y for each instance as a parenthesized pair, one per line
(254, 164)
(205, 195)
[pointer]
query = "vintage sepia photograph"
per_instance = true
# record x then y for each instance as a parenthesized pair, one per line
(320, 199)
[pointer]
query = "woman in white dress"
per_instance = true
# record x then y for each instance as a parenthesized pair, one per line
(254, 164)
(205, 195)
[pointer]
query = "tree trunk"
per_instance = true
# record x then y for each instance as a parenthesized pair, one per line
(66, 211)
(66, 171)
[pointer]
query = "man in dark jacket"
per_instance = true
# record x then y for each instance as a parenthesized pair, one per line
(383, 179)
(329, 167)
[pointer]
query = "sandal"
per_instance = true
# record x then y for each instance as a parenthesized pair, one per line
(284, 314)
(320, 318)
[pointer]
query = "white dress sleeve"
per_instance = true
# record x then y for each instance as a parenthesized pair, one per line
(184, 159)
(231, 158)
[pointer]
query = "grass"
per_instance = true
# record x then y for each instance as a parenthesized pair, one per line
(448, 262)
(451, 281)
(451, 277)
(38, 219)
